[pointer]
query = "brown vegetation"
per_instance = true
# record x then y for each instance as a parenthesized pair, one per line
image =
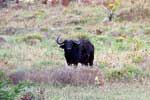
(67, 75)
(138, 10)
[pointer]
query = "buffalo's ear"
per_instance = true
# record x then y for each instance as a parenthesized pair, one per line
(62, 46)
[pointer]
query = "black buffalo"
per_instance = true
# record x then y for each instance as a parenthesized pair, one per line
(81, 51)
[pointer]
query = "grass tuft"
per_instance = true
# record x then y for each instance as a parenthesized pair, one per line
(28, 37)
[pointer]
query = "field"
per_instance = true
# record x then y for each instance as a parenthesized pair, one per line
(122, 47)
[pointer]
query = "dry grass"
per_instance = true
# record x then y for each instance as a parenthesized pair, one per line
(61, 76)
(113, 91)
(137, 10)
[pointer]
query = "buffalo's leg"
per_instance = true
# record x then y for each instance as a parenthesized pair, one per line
(91, 62)
(76, 64)
(86, 64)
(68, 63)
(91, 58)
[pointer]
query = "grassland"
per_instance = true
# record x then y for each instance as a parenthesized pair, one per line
(122, 47)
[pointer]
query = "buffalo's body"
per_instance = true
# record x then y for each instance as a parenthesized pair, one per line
(81, 51)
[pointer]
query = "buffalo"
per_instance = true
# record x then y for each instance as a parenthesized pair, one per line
(81, 51)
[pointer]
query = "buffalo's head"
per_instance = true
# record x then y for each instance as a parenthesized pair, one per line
(67, 44)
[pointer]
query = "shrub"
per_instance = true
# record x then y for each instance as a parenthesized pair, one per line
(63, 76)
(2, 76)
(125, 73)
(137, 59)
(9, 91)
(79, 76)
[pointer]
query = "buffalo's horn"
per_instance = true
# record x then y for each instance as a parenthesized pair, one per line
(58, 41)
(77, 42)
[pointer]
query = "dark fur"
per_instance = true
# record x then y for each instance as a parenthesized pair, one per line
(81, 51)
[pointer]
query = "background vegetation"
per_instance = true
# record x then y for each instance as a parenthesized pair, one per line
(122, 49)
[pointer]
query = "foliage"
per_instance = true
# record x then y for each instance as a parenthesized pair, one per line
(114, 5)
(125, 73)
(111, 8)
(2, 76)
(8, 91)
(137, 58)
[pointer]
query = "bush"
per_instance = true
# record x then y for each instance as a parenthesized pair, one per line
(137, 59)
(125, 73)
(62, 76)
(9, 91)
(2, 76)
